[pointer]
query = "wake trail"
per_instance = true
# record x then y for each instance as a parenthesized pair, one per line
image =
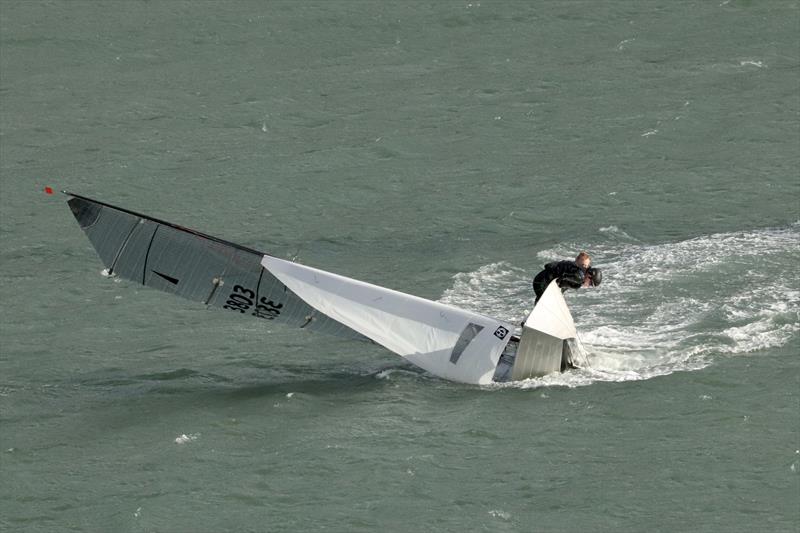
(662, 308)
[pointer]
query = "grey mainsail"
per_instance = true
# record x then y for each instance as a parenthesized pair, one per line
(195, 266)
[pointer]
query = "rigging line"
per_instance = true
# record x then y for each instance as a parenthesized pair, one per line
(583, 350)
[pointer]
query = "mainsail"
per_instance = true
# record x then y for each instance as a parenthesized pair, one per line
(449, 342)
(193, 265)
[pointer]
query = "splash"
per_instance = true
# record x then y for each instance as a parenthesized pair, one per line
(497, 289)
(184, 438)
(662, 308)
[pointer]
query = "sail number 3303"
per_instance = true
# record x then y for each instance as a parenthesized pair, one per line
(243, 300)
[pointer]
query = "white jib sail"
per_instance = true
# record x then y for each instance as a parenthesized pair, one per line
(446, 341)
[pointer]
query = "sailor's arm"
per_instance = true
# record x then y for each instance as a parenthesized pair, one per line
(569, 275)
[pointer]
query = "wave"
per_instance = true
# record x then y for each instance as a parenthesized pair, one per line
(662, 307)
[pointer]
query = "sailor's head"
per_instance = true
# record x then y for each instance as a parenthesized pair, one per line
(583, 260)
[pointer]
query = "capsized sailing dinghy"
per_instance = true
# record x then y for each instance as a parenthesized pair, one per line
(452, 343)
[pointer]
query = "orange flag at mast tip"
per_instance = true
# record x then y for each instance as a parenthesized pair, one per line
(48, 190)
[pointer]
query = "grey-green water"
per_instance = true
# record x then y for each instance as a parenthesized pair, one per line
(446, 149)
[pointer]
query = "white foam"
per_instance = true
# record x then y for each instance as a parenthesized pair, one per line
(621, 44)
(614, 231)
(499, 513)
(662, 307)
(384, 374)
(184, 438)
(759, 335)
(493, 289)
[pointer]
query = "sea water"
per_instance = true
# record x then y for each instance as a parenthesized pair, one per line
(446, 149)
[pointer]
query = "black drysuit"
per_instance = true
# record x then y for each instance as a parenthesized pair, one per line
(568, 274)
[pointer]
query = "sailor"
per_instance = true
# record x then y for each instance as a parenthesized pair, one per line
(570, 275)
